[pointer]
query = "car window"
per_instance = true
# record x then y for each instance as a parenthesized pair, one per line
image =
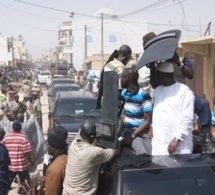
(67, 88)
(76, 107)
(62, 81)
(177, 181)
(45, 73)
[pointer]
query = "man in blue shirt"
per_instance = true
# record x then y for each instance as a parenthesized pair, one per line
(137, 112)
(4, 163)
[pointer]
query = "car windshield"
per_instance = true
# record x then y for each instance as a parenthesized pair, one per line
(45, 73)
(67, 88)
(168, 181)
(62, 81)
(77, 107)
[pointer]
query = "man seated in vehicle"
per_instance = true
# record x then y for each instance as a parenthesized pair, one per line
(137, 112)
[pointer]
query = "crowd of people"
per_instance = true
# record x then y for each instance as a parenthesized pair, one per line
(22, 143)
(158, 118)
(10, 74)
(87, 82)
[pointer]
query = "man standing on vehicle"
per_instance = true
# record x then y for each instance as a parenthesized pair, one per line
(84, 160)
(172, 114)
(118, 64)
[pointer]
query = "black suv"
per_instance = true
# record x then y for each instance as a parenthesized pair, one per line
(61, 80)
(70, 109)
(56, 88)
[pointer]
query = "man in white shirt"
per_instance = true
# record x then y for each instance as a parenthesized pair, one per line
(172, 114)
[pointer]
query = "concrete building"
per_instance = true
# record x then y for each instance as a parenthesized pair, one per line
(5, 51)
(116, 32)
(201, 53)
(65, 47)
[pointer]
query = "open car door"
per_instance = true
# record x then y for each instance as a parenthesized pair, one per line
(108, 125)
(160, 47)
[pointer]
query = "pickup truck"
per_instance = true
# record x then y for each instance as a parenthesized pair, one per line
(129, 174)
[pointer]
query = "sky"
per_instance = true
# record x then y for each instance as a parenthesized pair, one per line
(39, 23)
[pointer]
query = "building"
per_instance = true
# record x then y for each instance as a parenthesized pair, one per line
(201, 53)
(65, 41)
(116, 32)
(5, 51)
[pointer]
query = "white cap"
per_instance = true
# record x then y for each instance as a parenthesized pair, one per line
(35, 85)
(165, 66)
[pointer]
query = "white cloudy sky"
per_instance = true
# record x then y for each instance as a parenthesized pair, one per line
(39, 26)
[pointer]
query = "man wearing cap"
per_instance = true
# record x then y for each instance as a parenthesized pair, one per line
(172, 114)
(181, 65)
(19, 152)
(54, 177)
(4, 163)
(59, 130)
(84, 161)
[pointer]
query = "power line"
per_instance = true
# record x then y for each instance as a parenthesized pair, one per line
(184, 18)
(24, 12)
(157, 3)
(54, 9)
(29, 26)
(165, 6)
(161, 24)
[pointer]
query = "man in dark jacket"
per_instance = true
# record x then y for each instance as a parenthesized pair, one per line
(54, 177)
(4, 163)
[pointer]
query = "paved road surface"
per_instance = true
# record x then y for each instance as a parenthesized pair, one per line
(44, 102)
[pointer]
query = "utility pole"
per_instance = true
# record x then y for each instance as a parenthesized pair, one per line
(102, 41)
(50, 56)
(208, 29)
(85, 42)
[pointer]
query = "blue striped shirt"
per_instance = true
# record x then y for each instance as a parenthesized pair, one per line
(136, 104)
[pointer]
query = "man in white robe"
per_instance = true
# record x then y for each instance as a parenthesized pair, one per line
(172, 114)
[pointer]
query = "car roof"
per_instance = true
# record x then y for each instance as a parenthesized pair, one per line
(62, 78)
(75, 95)
(45, 71)
(57, 76)
(178, 160)
(65, 85)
